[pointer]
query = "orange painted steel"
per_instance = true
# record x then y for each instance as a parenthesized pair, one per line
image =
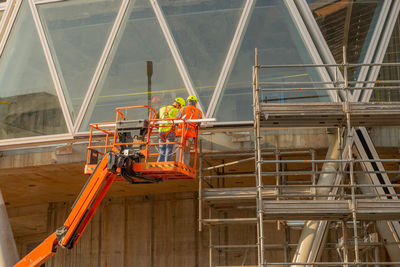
(41, 253)
(150, 168)
(82, 211)
(103, 173)
(87, 203)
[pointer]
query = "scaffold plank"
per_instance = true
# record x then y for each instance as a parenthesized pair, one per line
(366, 209)
(245, 193)
(330, 114)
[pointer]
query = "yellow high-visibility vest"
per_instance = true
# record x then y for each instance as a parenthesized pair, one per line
(167, 112)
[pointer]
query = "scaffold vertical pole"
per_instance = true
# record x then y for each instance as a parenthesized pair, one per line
(314, 175)
(257, 148)
(349, 143)
(210, 245)
(277, 180)
(200, 188)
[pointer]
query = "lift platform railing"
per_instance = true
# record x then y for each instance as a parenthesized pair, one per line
(127, 136)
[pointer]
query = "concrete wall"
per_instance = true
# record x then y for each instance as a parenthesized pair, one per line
(149, 231)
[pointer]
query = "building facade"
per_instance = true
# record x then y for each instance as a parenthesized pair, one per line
(65, 64)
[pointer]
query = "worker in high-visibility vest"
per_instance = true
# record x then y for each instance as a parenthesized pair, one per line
(167, 130)
(190, 111)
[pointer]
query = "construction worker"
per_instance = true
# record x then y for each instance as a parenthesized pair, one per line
(167, 130)
(190, 111)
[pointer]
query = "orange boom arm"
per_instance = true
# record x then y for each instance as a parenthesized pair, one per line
(125, 155)
(82, 211)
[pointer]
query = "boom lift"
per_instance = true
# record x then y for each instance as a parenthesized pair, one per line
(124, 150)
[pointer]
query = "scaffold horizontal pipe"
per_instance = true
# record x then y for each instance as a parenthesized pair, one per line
(295, 89)
(333, 83)
(290, 83)
(295, 173)
(334, 186)
(228, 164)
(330, 263)
(230, 220)
(266, 246)
(273, 195)
(252, 153)
(377, 81)
(345, 196)
(327, 65)
(229, 176)
(233, 246)
(329, 160)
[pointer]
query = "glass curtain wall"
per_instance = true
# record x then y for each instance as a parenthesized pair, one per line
(77, 32)
(124, 81)
(29, 104)
(360, 16)
(203, 31)
(392, 55)
(273, 32)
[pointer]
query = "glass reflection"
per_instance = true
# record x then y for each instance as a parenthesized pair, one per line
(273, 32)
(124, 81)
(29, 105)
(203, 31)
(392, 55)
(77, 31)
(360, 16)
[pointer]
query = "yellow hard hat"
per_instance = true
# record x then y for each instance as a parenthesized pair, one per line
(181, 101)
(192, 98)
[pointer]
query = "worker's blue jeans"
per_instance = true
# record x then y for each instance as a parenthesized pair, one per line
(166, 150)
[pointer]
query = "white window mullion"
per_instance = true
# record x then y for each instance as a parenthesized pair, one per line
(381, 51)
(372, 47)
(7, 21)
(52, 67)
(100, 66)
(320, 42)
(174, 50)
(306, 37)
(230, 58)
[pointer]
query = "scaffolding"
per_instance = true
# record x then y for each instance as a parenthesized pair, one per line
(327, 191)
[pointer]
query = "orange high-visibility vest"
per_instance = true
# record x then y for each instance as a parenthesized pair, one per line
(189, 112)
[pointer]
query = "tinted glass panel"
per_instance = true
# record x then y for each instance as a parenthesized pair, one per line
(77, 31)
(272, 31)
(203, 31)
(124, 80)
(361, 17)
(29, 105)
(390, 72)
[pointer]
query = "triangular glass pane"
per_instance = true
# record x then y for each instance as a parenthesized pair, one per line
(29, 105)
(392, 73)
(124, 81)
(77, 31)
(273, 32)
(332, 16)
(203, 32)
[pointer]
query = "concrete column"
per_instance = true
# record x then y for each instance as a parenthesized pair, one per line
(8, 250)
(311, 233)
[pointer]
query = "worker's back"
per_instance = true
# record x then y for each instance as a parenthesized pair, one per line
(190, 112)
